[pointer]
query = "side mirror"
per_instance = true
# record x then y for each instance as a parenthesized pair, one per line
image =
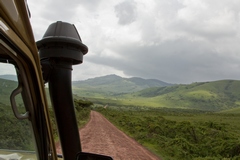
(91, 156)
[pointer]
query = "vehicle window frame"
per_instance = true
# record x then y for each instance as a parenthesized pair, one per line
(15, 57)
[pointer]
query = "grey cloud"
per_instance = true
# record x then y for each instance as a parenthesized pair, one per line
(65, 10)
(212, 20)
(207, 31)
(91, 5)
(178, 61)
(126, 12)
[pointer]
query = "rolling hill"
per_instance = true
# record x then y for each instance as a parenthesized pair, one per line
(212, 96)
(114, 90)
(9, 77)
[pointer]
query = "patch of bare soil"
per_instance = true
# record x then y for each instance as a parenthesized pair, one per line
(102, 137)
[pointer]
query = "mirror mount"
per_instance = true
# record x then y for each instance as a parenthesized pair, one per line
(91, 156)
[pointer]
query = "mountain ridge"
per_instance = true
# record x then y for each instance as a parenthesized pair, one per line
(114, 84)
(116, 77)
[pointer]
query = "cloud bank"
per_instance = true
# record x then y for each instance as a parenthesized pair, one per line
(177, 41)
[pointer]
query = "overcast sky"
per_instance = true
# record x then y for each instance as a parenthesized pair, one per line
(176, 41)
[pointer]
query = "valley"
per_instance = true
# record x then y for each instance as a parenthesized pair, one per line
(182, 121)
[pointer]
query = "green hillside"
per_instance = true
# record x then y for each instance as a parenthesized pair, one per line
(218, 95)
(113, 85)
(210, 96)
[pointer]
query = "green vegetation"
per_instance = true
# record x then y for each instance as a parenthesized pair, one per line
(14, 134)
(181, 134)
(83, 108)
(82, 111)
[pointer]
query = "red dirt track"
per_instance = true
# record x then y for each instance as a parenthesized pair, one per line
(102, 137)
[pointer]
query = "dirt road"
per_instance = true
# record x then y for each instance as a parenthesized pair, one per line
(101, 137)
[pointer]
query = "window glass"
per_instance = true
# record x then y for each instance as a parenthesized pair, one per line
(53, 122)
(16, 136)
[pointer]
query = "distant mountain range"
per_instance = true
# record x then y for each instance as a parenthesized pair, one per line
(9, 77)
(113, 84)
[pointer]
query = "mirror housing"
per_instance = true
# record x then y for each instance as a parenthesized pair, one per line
(91, 156)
